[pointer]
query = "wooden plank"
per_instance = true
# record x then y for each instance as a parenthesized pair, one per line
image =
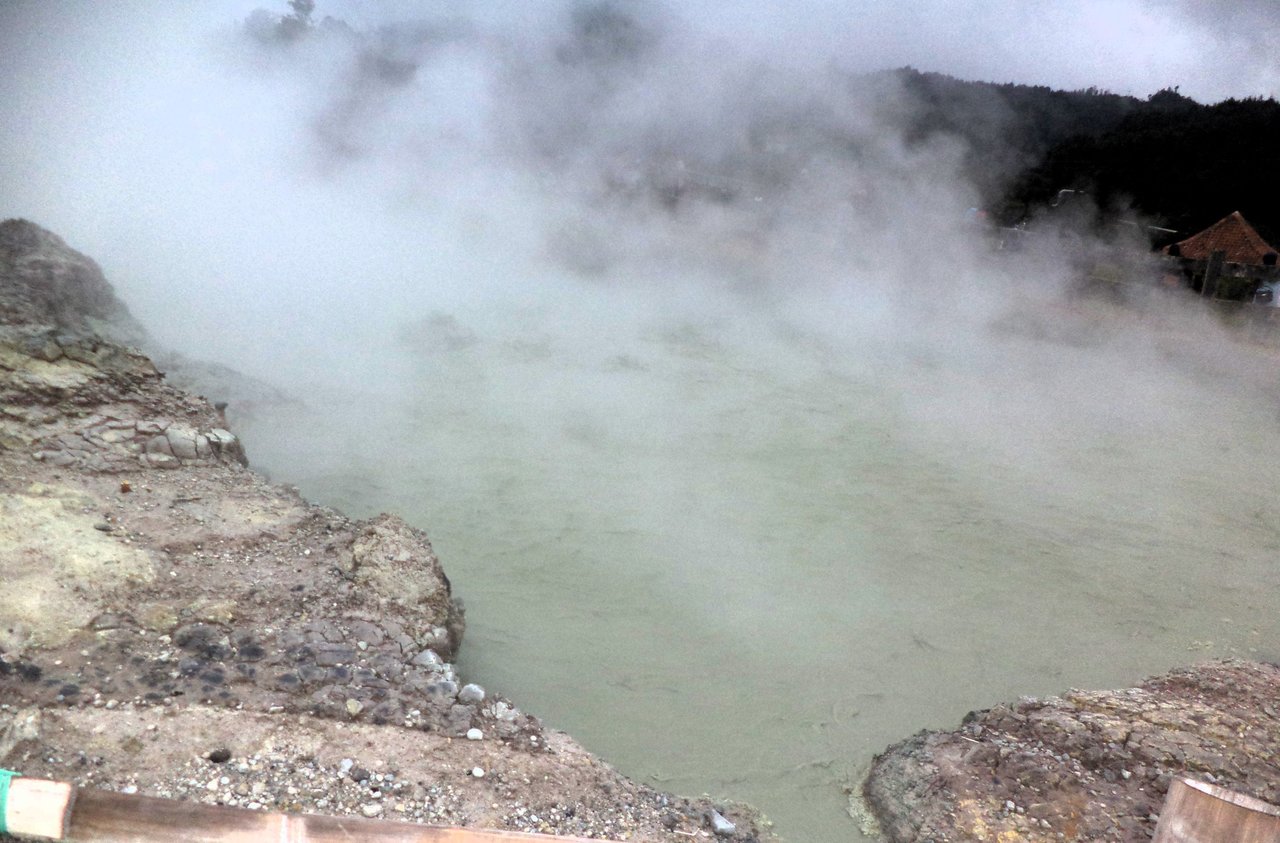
(104, 816)
(38, 808)
(1196, 812)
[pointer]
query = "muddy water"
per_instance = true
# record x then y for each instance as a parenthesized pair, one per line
(740, 556)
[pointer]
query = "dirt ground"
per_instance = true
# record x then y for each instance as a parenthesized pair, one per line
(1088, 765)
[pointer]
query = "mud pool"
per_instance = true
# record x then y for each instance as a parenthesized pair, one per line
(740, 555)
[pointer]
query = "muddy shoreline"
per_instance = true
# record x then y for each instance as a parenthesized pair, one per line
(176, 625)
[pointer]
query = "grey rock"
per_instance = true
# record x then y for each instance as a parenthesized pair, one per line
(159, 445)
(427, 659)
(106, 621)
(162, 461)
(458, 720)
(419, 680)
(445, 688)
(505, 711)
(365, 631)
(388, 666)
(328, 655)
(722, 826)
(395, 562)
(182, 440)
(471, 693)
(220, 438)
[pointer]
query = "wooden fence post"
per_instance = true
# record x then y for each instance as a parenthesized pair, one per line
(1196, 812)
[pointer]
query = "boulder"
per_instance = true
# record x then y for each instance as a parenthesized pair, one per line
(1088, 765)
(396, 561)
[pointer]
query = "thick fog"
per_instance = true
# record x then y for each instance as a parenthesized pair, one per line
(239, 185)
(748, 451)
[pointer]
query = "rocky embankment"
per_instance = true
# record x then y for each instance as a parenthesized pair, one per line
(174, 625)
(1089, 765)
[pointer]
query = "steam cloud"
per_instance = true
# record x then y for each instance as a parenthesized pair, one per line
(393, 161)
(670, 282)
(307, 204)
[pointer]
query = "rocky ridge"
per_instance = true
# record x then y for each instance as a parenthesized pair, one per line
(176, 625)
(1088, 765)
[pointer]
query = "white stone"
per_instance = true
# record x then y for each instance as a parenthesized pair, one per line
(722, 826)
(427, 658)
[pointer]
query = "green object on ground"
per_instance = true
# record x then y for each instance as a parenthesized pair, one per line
(5, 776)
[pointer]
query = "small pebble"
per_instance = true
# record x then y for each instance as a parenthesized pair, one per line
(475, 735)
(477, 772)
(372, 809)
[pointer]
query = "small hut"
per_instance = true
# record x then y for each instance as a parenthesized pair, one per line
(1229, 259)
(1232, 235)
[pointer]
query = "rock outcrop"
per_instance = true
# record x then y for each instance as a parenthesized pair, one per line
(167, 610)
(50, 287)
(1088, 765)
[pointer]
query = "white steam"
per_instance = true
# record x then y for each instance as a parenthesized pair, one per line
(685, 355)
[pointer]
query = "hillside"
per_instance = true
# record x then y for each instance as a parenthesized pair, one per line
(1180, 163)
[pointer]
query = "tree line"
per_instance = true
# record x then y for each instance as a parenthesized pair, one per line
(1176, 162)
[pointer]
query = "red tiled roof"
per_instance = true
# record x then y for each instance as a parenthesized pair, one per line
(1231, 235)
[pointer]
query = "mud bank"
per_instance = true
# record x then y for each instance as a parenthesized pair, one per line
(173, 624)
(1088, 765)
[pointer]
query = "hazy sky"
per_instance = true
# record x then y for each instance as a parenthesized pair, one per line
(1212, 50)
(141, 132)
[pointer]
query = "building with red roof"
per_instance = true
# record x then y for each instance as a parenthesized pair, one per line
(1232, 235)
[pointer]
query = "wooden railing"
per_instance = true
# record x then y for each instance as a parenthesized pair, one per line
(48, 810)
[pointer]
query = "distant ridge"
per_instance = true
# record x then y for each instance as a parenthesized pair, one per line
(1180, 163)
